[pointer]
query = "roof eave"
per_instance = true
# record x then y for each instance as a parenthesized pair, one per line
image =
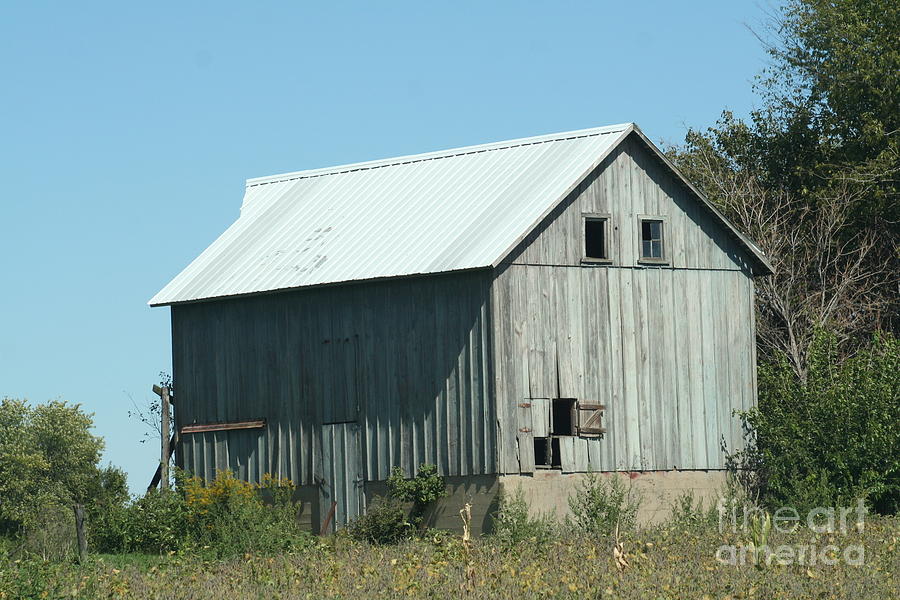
(298, 288)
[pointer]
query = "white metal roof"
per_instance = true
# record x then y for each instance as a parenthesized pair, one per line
(429, 213)
(457, 209)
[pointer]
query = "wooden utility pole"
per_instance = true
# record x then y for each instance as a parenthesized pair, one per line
(164, 454)
(161, 476)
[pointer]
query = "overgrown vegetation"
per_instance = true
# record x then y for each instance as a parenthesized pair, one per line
(50, 460)
(515, 527)
(664, 562)
(422, 490)
(689, 512)
(813, 176)
(227, 517)
(387, 520)
(832, 438)
(601, 506)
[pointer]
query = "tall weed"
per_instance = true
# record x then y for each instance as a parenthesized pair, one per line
(513, 525)
(602, 505)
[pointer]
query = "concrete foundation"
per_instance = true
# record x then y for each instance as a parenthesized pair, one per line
(481, 491)
(548, 491)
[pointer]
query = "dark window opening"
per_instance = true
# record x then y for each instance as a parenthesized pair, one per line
(555, 460)
(542, 452)
(651, 239)
(595, 239)
(562, 419)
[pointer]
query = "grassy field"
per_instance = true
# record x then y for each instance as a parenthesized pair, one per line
(673, 561)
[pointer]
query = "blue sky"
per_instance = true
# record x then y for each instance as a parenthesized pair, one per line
(128, 131)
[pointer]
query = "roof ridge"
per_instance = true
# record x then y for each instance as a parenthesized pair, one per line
(436, 155)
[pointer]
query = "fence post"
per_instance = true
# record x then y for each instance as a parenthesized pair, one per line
(79, 532)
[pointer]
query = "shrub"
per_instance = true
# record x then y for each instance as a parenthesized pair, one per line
(513, 524)
(422, 490)
(600, 508)
(224, 518)
(229, 517)
(53, 539)
(155, 523)
(831, 439)
(384, 523)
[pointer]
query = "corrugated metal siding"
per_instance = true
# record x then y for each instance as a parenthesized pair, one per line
(454, 210)
(409, 357)
(669, 351)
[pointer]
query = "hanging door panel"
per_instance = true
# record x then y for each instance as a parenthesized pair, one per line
(341, 481)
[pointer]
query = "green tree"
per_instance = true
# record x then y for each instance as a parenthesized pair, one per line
(833, 91)
(814, 174)
(49, 456)
(833, 438)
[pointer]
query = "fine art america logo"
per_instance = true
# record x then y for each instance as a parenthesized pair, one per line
(755, 525)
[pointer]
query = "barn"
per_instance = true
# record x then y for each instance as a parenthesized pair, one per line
(517, 313)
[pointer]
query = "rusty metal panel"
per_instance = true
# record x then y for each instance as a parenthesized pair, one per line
(225, 426)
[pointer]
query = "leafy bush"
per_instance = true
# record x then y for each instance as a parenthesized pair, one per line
(54, 538)
(599, 508)
(513, 524)
(155, 523)
(830, 439)
(226, 517)
(422, 490)
(229, 517)
(386, 522)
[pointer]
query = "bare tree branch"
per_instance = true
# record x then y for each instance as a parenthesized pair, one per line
(823, 277)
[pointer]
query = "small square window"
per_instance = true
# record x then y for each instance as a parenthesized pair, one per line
(562, 418)
(652, 239)
(596, 238)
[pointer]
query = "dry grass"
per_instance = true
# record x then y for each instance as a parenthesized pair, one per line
(665, 562)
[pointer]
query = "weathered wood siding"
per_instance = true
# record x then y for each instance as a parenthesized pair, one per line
(669, 350)
(406, 359)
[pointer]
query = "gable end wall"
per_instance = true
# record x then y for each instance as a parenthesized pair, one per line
(669, 350)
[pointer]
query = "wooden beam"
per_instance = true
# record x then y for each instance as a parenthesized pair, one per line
(159, 392)
(328, 519)
(158, 474)
(204, 427)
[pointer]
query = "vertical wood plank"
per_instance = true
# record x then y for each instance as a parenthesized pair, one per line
(524, 437)
(567, 454)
